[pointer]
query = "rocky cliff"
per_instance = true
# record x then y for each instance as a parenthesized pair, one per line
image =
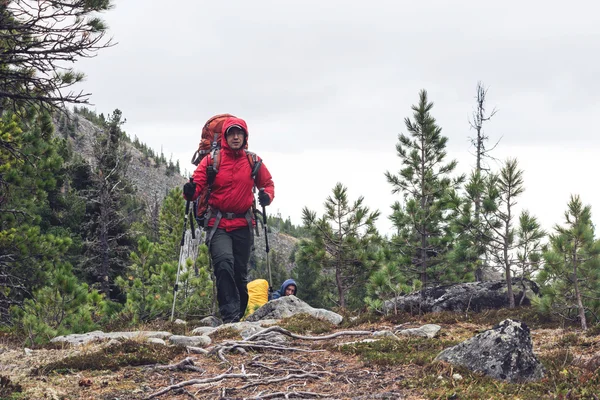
(151, 181)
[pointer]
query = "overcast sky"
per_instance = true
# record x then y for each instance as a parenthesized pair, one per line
(325, 86)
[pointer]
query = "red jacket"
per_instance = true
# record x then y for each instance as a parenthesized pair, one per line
(232, 189)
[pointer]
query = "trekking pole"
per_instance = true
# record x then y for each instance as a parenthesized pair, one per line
(176, 287)
(264, 213)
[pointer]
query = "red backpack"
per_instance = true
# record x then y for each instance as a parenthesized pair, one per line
(210, 145)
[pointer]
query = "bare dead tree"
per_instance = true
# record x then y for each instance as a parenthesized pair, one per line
(105, 252)
(479, 118)
(40, 40)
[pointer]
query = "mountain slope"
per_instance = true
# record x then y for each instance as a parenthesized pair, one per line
(151, 181)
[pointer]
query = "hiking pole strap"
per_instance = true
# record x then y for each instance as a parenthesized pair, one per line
(185, 218)
(192, 224)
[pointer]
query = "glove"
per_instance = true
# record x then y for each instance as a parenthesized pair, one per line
(263, 198)
(189, 189)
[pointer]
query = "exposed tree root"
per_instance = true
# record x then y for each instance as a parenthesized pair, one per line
(196, 350)
(200, 381)
(244, 346)
(290, 395)
(255, 343)
(277, 380)
(279, 329)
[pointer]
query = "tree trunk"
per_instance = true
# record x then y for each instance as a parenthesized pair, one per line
(104, 244)
(338, 267)
(423, 260)
(478, 269)
(424, 238)
(509, 288)
(577, 291)
(338, 282)
(423, 225)
(479, 119)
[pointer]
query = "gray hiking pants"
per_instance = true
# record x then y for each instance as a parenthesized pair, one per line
(230, 253)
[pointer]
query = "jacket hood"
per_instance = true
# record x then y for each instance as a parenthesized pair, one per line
(229, 122)
(286, 284)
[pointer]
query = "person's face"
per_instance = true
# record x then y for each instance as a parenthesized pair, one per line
(235, 138)
(290, 290)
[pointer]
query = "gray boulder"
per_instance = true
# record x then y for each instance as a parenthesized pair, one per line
(287, 306)
(211, 321)
(427, 331)
(196, 341)
(504, 352)
(474, 296)
(203, 330)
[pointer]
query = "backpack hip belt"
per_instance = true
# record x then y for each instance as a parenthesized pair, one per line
(248, 215)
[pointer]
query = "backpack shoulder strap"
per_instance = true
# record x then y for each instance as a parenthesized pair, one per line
(255, 163)
(212, 165)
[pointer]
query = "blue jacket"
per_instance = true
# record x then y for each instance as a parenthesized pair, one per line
(281, 292)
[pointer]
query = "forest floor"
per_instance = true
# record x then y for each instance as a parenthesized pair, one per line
(389, 368)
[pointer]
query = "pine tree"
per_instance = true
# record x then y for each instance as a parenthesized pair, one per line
(422, 222)
(31, 175)
(385, 283)
(170, 225)
(142, 300)
(347, 233)
(499, 213)
(39, 41)
(62, 306)
(570, 277)
(529, 249)
(313, 281)
(471, 233)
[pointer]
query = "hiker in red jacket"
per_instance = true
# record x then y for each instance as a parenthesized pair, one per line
(230, 220)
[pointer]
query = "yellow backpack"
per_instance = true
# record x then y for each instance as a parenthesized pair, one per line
(258, 295)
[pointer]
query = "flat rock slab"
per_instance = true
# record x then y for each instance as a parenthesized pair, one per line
(203, 330)
(82, 338)
(157, 341)
(427, 331)
(195, 341)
